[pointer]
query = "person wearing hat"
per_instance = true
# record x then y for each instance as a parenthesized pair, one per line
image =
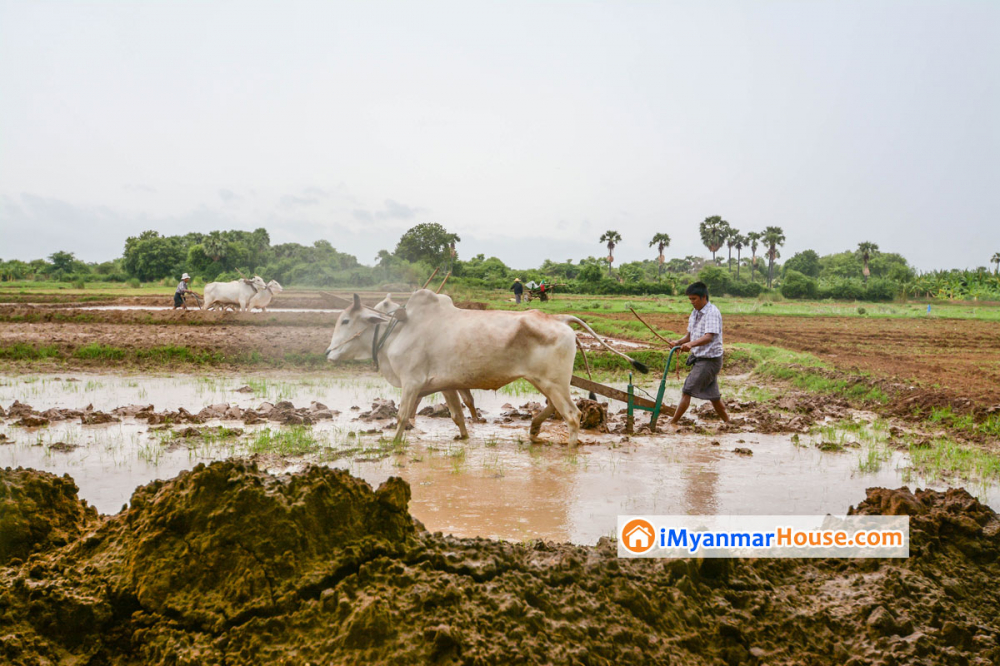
(182, 288)
(518, 290)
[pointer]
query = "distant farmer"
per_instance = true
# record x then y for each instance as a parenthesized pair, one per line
(182, 288)
(704, 341)
(518, 290)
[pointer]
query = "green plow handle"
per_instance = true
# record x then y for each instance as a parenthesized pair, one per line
(658, 405)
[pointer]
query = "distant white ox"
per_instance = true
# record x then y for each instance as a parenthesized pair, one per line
(237, 292)
(389, 306)
(263, 297)
(435, 346)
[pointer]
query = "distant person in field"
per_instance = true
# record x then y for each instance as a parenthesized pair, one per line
(182, 288)
(518, 290)
(704, 341)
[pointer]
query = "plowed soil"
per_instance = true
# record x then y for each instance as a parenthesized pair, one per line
(961, 356)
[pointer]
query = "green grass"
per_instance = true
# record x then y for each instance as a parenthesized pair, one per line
(809, 373)
(946, 458)
(21, 351)
(946, 417)
(764, 306)
(293, 441)
(95, 351)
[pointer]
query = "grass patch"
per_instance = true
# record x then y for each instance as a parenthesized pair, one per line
(946, 417)
(99, 352)
(22, 351)
(293, 441)
(177, 354)
(945, 458)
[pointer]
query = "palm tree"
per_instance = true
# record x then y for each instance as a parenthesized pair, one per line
(739, 242)
(773, 237)
(732, 234)
(996, 260)
(866, 250)
(661, 241)
(612, 238)
(753, 237)
(713, 233)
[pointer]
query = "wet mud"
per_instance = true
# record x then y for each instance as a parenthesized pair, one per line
(226, 564)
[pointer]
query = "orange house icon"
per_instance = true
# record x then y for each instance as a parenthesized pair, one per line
(639, 538)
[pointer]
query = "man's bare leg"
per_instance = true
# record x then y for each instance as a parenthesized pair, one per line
(682, 407)
(720, 409)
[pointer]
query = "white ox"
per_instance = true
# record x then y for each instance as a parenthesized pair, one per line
(389, 306)
(237, 292)
(263, 297)
(436, 347)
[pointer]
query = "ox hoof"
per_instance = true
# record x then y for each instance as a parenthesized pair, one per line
(458, 438)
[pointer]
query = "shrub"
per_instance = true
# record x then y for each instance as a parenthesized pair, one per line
(134, 283)
(744, 288)
(716, 279)
(797, 285)
(79, 284)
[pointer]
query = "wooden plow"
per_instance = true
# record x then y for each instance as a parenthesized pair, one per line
(629, 397)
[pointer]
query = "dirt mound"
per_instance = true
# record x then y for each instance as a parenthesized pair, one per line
(38, 512)
(226, 564)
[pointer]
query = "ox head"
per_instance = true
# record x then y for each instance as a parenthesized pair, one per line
(387, 305)
(352, 336)
(275, 287)
(257, 282)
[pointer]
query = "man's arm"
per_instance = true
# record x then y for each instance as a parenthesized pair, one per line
(703, 340)
(678, 343)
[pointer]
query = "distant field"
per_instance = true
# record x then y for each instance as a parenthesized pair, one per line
(769, 305)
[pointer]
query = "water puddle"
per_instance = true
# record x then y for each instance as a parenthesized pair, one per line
(494, 485)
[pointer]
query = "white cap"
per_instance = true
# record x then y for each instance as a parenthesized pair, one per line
(185, 277)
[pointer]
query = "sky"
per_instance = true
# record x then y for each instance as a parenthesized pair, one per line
(526, 127)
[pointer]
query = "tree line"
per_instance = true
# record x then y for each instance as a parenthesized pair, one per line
(865, 273)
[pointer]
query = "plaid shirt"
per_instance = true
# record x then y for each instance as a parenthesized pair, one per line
(706, 320)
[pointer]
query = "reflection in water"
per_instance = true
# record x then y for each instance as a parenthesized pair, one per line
(700, 476)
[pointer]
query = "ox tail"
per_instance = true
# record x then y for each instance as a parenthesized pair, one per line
(586, 364)
(570, 319)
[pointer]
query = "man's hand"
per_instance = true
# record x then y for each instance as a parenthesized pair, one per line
(686, 347)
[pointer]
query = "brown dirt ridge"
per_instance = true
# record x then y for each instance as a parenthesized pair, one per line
(226, 564)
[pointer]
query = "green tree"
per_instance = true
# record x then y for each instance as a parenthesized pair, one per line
(753, 238)
(866, 250)
(63, 262)
(995, 259)
(739, 243)
(631, 272)
(713, 233)
(612, 238)
(797, 285)
(773, 237)
(662, 242)
(429, 242)
(590, 273)
(150, 256)
(732, 234)
(806, 262)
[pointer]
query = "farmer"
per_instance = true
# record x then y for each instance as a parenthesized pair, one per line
(518, 290)
(704, 341)
(182, 288)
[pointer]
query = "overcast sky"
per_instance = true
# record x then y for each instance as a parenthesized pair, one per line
(528, 128)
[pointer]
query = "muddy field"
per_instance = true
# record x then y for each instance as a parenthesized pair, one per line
(959, 358)
(494, 550)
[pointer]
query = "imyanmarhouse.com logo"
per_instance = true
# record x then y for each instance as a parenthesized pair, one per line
(764, 536)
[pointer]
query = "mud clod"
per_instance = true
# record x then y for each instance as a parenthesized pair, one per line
(227, 564)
